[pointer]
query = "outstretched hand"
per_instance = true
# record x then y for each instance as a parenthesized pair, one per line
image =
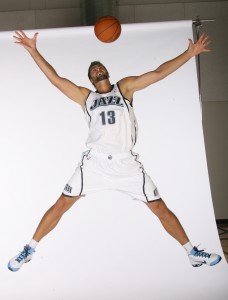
(22, 39)
(200, 46)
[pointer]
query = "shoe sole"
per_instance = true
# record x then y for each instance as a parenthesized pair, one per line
(215, 262)
(12, 269)
(16, 269)
(199, 265)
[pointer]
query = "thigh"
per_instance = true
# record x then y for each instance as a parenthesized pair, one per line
(75, 185)
(157, 206)
(136, 182)
(89, 176)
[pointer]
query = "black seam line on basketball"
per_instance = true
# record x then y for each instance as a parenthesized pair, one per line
(107, 28)
(115, 34)
(143, 173)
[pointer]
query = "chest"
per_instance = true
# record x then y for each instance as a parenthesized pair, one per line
(106, 109)
(113, 102)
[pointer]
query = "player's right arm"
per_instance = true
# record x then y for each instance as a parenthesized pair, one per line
(71, 90)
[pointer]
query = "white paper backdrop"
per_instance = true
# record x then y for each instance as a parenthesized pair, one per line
(106, 246)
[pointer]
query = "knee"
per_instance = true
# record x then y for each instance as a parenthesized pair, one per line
(63, 204)
(159, 208)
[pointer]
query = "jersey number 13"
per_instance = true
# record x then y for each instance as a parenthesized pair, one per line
(108, 117)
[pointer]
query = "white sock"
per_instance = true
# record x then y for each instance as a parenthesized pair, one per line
(33, 244)
(188, 247)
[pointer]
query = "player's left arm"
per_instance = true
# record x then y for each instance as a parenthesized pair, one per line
(131, 84)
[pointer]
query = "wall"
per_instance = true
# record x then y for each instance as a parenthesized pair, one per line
(214, 80)
(106, 236)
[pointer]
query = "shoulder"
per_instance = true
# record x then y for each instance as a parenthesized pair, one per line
(126, 80)
(85, 91)
(81, 95)
(125, 85)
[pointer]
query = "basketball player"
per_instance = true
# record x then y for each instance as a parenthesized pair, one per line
(112, 136)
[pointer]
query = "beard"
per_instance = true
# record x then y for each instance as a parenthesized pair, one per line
(101, 77)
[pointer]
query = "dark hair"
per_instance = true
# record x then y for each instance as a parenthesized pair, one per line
(94, 63)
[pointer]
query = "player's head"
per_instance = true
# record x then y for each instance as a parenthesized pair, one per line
(97, 72)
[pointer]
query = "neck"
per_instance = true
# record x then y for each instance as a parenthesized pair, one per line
(103, 86)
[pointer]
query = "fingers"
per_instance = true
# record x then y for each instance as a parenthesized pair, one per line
(204, 40)
(202, 36)
(18, 40)
(20, 35)
(205, 43)
(35, 35)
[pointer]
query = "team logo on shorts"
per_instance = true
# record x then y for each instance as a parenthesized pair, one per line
(68, 188)
(155, 192)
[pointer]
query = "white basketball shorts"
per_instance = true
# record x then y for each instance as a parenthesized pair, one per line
(120, 172)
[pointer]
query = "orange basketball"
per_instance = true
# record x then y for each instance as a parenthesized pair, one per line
(107, 29)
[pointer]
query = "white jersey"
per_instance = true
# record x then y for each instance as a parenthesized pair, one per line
(110, 163)
(111, 120)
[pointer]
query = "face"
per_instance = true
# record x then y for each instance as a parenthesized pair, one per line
(98, 73)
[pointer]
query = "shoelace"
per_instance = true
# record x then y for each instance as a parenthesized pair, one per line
(24, 254)
(201, 253)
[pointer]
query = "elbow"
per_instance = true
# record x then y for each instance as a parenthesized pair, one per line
(160, 74)
(55, 81)
(163, 73)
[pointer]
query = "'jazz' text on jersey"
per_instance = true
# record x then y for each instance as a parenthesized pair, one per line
(104, 101)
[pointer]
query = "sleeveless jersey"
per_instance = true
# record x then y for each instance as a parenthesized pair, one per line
(111, 120)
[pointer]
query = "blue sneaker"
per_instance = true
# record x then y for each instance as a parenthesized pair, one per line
(199, 257)
(17, 261)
